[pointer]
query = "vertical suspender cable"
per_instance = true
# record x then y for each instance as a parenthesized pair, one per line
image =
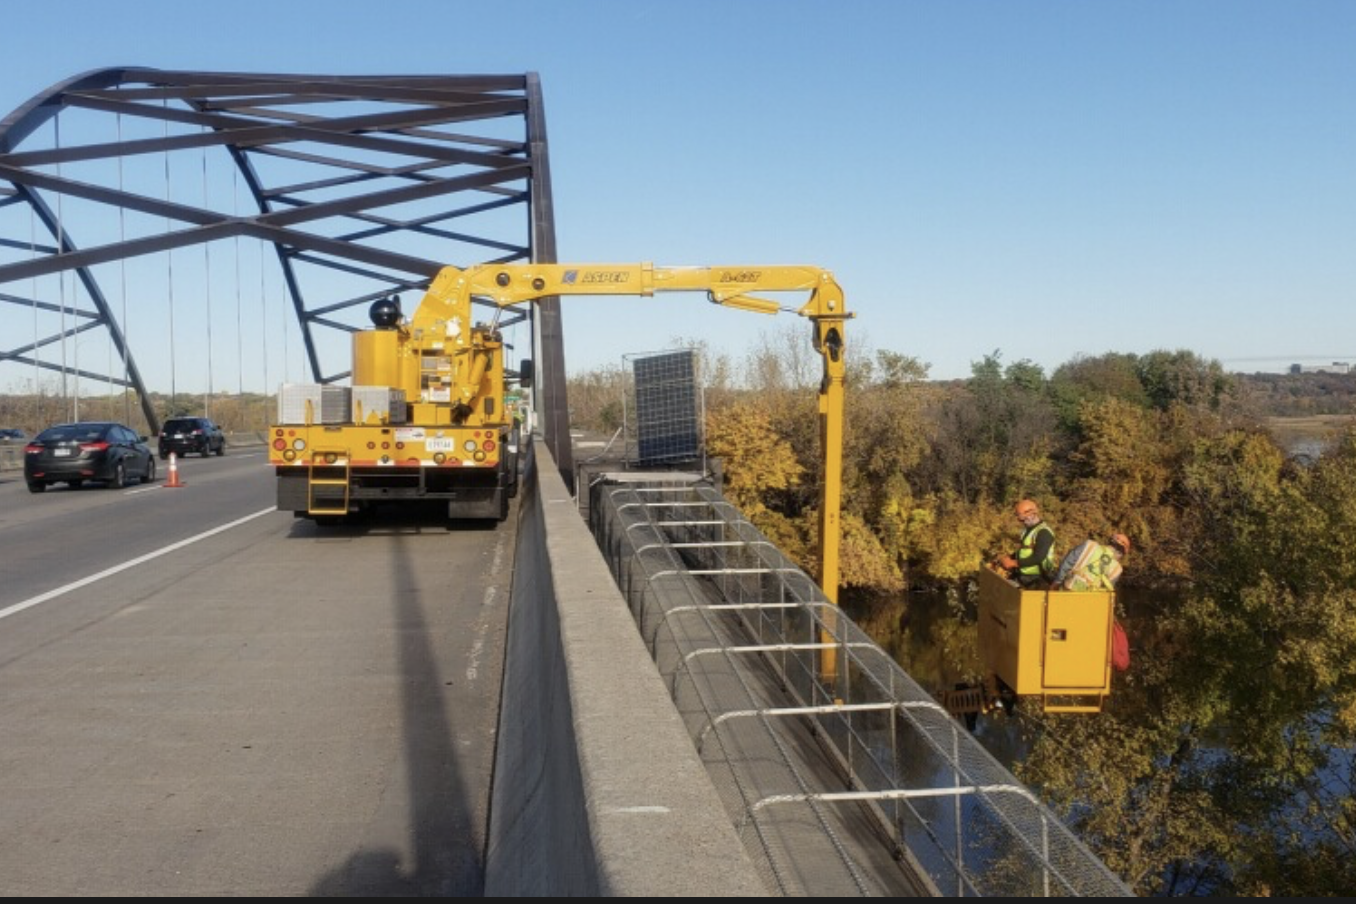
(263, 324)
(61, 277)
(122, 275)
(239, 319)
(285, 321)
(207, 278)
(40, 413)
(169, 259)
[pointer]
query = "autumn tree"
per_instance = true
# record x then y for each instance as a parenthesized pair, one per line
(756, 463)
(1222, 764)
(886, 438)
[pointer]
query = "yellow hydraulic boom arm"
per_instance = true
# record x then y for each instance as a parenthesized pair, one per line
(449, 301)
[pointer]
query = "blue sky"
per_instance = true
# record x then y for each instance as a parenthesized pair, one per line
(1041, 179)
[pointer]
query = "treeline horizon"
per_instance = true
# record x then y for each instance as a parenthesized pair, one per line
(595, 395)
(251, 412)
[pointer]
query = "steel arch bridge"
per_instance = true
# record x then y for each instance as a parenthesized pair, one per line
(354, 188)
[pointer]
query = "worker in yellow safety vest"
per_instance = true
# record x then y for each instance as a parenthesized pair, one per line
(1033, 563)
(1093, 566)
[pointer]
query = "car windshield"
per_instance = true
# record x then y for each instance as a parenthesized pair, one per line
(83, 433)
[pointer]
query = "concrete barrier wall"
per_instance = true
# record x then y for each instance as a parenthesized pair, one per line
(597, 788)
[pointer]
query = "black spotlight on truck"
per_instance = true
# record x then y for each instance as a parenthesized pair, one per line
(385, 313)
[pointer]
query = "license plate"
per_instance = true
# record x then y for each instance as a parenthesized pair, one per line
(61, 453)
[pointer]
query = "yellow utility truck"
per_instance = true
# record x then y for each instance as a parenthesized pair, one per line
(426, 414)
(424, 419)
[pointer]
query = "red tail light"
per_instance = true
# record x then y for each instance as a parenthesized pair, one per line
(94, 447)
(32, 449)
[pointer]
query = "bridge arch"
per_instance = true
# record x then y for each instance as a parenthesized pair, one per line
(362, 186)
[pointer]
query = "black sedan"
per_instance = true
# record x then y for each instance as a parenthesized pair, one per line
(94, 450)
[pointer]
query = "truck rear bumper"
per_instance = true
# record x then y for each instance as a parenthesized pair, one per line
(469, 493)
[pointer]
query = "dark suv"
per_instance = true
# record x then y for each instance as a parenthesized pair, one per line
(182, 435)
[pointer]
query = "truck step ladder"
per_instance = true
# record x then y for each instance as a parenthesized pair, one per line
(321, 461)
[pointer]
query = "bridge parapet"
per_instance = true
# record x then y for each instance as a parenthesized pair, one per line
(597, 789)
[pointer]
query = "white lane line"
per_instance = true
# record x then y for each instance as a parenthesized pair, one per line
(52, 594)
(641, 809)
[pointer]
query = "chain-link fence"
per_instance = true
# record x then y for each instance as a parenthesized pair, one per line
(842, 774)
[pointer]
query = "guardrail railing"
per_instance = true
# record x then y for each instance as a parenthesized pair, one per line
(765, 671)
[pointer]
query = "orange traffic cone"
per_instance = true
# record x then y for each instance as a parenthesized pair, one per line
(173, 481)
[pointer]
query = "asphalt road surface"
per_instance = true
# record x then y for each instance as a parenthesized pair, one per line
(202, 696)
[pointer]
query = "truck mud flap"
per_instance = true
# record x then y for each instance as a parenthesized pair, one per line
(298, 493)
(292, 492)
(478, 502)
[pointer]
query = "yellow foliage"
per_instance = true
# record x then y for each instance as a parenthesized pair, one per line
(863, 561)
(963, 535)
(792, 537)
(754, 457)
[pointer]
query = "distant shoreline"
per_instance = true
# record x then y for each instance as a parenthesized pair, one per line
(1312, 422)
(1309, 434)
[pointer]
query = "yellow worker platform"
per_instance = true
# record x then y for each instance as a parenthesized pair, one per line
(1051, 644)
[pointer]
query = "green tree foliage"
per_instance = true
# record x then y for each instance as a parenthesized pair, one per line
(1088, 379)
(994, 438)
(1183, 377)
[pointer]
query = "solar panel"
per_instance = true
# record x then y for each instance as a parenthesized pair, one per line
(668, 427)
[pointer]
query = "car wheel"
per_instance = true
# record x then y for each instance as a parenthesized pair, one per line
(119, 477)
(36, 486)
(150, 470)
(221, 450)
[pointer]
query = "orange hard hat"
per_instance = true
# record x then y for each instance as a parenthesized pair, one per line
(1122, 541)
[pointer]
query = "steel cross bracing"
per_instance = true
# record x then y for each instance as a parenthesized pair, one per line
(843, 780)
(363, 186)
